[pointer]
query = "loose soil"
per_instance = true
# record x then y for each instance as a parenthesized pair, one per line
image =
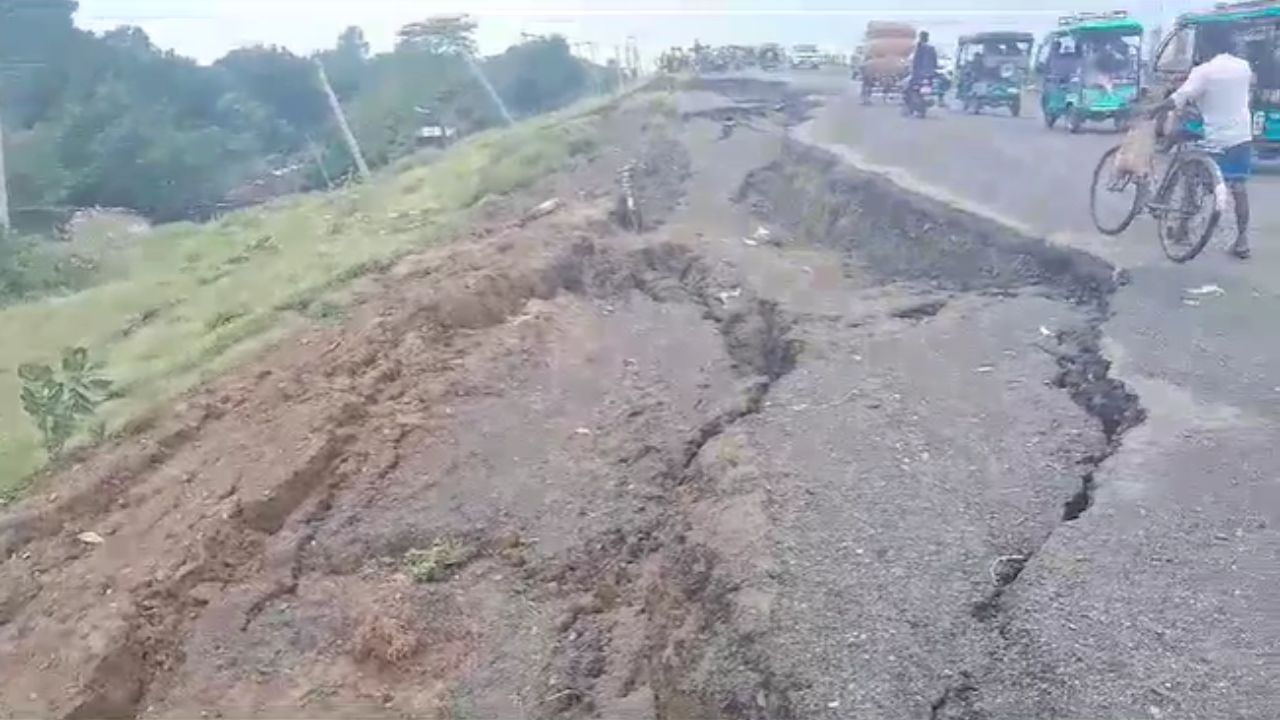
(552, 469)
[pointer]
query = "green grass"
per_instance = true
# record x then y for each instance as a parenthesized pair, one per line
(190, 300)
(437, 562)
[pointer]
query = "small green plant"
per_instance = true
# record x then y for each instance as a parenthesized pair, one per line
(223, 318)
(327, 311)
(58, 400)
(436, 562)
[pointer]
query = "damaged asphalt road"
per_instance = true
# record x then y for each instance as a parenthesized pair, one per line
(1160, 600)
(804, 444)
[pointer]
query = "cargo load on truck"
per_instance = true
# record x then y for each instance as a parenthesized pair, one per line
(886, 56)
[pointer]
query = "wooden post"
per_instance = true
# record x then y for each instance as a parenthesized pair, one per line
(338, 115)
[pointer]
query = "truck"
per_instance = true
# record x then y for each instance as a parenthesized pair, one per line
(886, 58)
(805, 57)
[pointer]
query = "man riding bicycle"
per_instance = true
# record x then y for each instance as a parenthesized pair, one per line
(1220, 89)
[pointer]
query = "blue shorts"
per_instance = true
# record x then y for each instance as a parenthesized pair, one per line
(1236, 162)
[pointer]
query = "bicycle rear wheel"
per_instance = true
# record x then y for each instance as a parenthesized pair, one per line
(1189, 205)
(1110, 203)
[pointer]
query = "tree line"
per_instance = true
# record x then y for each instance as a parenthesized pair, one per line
(111, 120)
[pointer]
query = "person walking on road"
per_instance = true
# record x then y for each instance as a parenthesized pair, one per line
(1220, 89)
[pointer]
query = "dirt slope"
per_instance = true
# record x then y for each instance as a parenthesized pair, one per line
(563, 470)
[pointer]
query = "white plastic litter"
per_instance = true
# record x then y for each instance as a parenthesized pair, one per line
(1207, 291)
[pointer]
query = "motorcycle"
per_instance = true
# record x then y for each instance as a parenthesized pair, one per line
(918, 97)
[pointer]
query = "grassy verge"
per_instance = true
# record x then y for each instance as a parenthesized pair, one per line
(195, 298)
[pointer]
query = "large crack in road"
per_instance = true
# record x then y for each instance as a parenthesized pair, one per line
(904, 238)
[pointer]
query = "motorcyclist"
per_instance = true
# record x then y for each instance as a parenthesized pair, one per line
(924, 63)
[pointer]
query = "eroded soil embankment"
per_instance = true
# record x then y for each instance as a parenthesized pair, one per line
(529, 478)
(467, 501)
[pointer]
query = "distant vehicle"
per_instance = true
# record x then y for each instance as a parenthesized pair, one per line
(805, 56)
(770, 56)
(885, 59)
(991, 70)
(432, 132)
(1090, 69)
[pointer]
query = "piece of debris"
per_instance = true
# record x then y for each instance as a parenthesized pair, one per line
(749, 241)
(920, 311)
(984, 369)
(761, 234)
(727, 295)
(582, 431)
(1206, 291)
(1190, 302)
(1006, 568)
(1046, 331)
(90, 538)
(542, 210)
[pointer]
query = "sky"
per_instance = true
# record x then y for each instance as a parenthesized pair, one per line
(207, 29)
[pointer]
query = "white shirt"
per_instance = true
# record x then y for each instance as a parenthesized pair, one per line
(1220, 89)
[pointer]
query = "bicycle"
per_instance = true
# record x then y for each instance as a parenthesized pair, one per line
(1191, 170)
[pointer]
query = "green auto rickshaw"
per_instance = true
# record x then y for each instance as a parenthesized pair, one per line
(1090, 69)
(1255, 27)
(991, 68)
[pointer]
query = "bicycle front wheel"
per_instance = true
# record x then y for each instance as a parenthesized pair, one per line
(1114, 197)
(1189, 205)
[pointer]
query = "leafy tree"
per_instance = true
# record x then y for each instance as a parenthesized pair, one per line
(34, 39)
(346, 63)
(538, 76)
(35, 173)
(439, 35)
(58, 400)
(284, 83)
(112, 120)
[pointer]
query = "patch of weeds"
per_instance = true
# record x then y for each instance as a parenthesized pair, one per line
(326, 311)
(265, 243)
(730, 452)
(299, 304)
(241, 221)
(98, 431)
(239, 259)
(361, 269)
(336, 226)
(583, 145)
(140, 320)
(413, 185)
(215, 277)
(224, 317)
(437, 562)
(408, 221)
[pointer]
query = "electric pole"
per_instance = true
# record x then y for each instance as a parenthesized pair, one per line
(617, 66)
(338, 115)
(4, 187)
